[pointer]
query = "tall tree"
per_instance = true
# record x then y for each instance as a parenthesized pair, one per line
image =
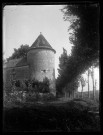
(62, 61)
(83, 83)
(62, 64)
(66, 61)
(92, 75)
(84, 25)
(78, 89)
(95, 84)
(20, 52)
(71, 88)
(89, 72)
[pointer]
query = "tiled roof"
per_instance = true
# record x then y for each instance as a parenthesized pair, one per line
(22, 62)
(41, 42)
(15, 63)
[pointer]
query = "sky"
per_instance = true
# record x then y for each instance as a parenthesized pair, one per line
(23, 24)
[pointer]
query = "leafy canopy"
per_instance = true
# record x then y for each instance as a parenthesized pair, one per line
(20, 52)
(84, 29)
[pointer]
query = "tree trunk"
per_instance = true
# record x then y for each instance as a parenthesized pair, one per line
(95, 85)
(93, 82)
(82, 92)
(88, 86)
(78, 93)
(93, 90)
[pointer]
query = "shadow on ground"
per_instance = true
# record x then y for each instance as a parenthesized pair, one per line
(71, 116)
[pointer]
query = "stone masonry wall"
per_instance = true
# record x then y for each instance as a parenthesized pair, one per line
(42, 64)
(20, 73)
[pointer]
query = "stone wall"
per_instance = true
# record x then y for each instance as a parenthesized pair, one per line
(42, 64)
(18, 73)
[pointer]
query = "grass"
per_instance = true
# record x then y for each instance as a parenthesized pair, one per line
(69, 116)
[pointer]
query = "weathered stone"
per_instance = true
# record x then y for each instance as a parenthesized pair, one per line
(40, 63)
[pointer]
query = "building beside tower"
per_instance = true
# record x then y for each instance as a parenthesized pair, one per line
(38, 64)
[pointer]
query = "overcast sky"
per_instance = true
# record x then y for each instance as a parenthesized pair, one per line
(23, 24)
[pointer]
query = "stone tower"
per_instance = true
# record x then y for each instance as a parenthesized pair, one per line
(41, 61)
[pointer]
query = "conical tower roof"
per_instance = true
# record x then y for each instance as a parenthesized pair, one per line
(41, 42)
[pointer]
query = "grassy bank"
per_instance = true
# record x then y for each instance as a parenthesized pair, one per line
(69, 116)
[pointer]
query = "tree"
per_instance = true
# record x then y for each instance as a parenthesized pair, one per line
(88, 74)
(62, 64)
(62, 61)
(78, 89)
(83, 83)
(20, 52)
(91, 72)
(95, 84)
(84, 37)
(94, 65)
(92, 75)
(71, 88)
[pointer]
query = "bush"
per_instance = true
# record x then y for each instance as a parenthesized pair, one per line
(7, 87)
(48, 97)
(29, 91)
(34, 85)
(31, 97)
(17, 83)
(92, 104)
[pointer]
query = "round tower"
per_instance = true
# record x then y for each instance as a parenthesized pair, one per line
(41, 60)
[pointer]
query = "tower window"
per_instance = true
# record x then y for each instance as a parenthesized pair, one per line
(45, 70)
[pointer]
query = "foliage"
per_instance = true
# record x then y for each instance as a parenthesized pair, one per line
(44, 86)
(83, 81)
(71, 87)
(48, 97)
(28, 90)
(34, 85)
(62, 61)
(62, 64)
(93, 105)
(84, 29)
(7, 87)
(67, 80)
(20, 52)
(17, 83)
(32, 97)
